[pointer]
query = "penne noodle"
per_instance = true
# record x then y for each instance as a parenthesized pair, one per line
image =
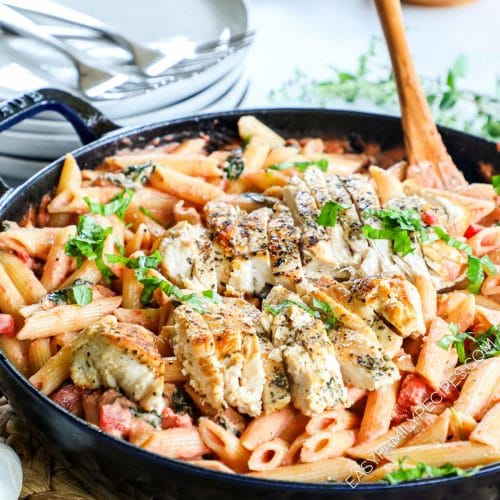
(387, 186)
(267, 427)
(178, 442)
(66, 318)
(148, 318)
(136, 219)
(23, 278)
(377, 416)
(131, 292)
(264, 179)
(380, 472)
(457, 308)
(87, 272)
(58, 341)
(33, 241)
(181, 185)
(486, 241)
(191, 164)
(491, 286)
(478, 387)
(249, 127)
(333, 420)
(293, 454)
(16, 351)
(191, 147)
(336, 469)
(10, 298)
(224, 444)
(71, 175)
(433, 359)
(73, 202)
(460, 453)
(461, 425)
(140, 240)
(428, 298)
(323, 445)
(172, 371)
(212, 465)
(313, 146)
(436, 432)
(58, 264)
(395, 437)
(39, 353)
(488, 430)
(268, 456)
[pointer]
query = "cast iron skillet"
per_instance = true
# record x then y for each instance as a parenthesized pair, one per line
(97, 457)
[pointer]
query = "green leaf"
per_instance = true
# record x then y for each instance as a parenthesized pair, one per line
(327, 310)
(448, 100)
(149, 214)
(82, 294)
(460, 66)
(233, 166)
(492, 127)
(117, 205)
(274, 310)
(328, 215)
(302, 166)
(495, 180)
(453, 242)
(475, 274)
(212, 296)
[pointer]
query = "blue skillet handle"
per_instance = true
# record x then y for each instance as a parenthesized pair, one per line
(89, 123)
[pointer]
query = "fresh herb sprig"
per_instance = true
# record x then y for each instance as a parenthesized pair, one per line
(117, 205)
(372, 82)
(329, 212)
(301, 166)
(495, 180)
(80, 293)
(487, 343)
(233, 166)
(89, 244)
(422, 470)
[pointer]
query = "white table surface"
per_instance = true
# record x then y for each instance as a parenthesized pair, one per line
(311, 34)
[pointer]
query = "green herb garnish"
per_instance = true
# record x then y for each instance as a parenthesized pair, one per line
(488, 343)
(275, 310)
(495, 180)
(233, 166)
(117, 205)
(302, 166)
(328, 215)
(139, 173)
(149, 214)
(140, 264)
(80, 292)
(327, 310)
(89, 244)
(397, 224)
(422, 470)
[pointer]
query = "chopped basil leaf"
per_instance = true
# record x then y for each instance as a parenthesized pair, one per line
(422, 470)
(302, 166)
(213, 296)
(444, 236)
(89, 244)
(274, 310)
(140, 264)
(117, 205)
(78, 293)
(495, 180)
(328, 215)
(233, 166)
(489, 342)
(139, 173)
(180, 403)
(327, 310)
(149, 214)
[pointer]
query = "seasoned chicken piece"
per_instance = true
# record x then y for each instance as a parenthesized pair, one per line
(194, 346)
(284, 253)
(188, 257)
(120, 356)
(362, 360)
(394, 299)
(316, 382)
(316, 182)
(366, 260)
(238, 351)
(365, 197)
(243, 240)
(317, 254)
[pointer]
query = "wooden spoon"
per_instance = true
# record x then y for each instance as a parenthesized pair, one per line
(430, 163)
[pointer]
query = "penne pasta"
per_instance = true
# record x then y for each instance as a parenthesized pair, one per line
(73, 201)
(387, 186)
(212, 465)
(488, 430)
(66, 318)
(486, 241)
(71, 175)
(457, 308)
(323, 445)
(428, 298)
(148, 318)
(460, 453)
(249, 127)
(30, 242)
(333, 420)
(23, 278)
(172, 371)
(39, 353)
(336, 469)
(16, 351)
(88, 272)
(268, 456)
(131, 293)
(10, 299)
(436, 432)
(461, 425)
(225, 444)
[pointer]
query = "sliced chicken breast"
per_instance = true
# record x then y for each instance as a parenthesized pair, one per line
(194, 346)
(188, 257)
(120, 356)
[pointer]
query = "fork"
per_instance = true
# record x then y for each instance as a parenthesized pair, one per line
(92, 81)
(149, 61)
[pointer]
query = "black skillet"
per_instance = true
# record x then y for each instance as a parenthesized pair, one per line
(127, 470)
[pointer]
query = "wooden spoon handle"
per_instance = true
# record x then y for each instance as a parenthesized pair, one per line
(422, 139)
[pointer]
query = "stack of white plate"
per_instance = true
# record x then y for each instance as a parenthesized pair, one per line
(26, 65)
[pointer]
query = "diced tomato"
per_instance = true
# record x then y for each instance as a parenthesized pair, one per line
(413, 392)
(6, 325)
(171, 419)
(115, 420)
(472, 230)
(430, 217)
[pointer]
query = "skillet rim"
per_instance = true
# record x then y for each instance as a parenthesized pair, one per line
(172, 464)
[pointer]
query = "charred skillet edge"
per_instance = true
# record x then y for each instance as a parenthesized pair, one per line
(88, 122)
(290, 122)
